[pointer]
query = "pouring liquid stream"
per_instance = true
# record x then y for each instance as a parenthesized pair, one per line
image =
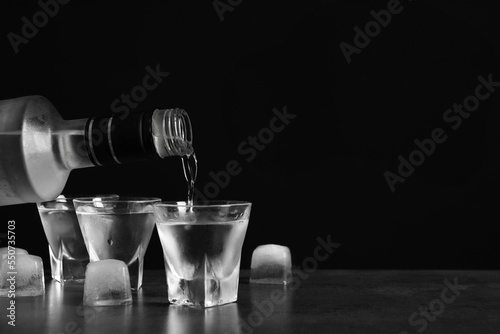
(190, 166)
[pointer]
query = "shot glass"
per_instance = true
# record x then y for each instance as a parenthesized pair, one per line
(202, 250)
(68, 254)
(118, 229)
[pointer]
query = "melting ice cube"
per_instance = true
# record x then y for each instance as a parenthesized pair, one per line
(4, 251)
(22, 276)
(271, 264)
(107, 283)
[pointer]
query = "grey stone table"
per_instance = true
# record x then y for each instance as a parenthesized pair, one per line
(323, 301)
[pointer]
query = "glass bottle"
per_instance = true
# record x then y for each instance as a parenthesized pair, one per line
(38, 149)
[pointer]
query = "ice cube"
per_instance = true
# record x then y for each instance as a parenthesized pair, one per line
(147, 209)
(107, 283)
(98, 202)
(62, 203)
(271, 264)
(4, 251)
(22, 276)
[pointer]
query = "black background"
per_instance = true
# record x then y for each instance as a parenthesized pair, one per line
(324, 173)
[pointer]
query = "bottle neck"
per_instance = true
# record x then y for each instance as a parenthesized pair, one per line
(172, 133)
(137, 136)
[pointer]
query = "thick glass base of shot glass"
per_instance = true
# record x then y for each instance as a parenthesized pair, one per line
(203, 292)
(66, 270)
(114, 302)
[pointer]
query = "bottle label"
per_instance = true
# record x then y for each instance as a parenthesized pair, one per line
(111, 140)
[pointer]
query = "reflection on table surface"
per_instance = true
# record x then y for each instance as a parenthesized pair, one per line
(340, 301)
